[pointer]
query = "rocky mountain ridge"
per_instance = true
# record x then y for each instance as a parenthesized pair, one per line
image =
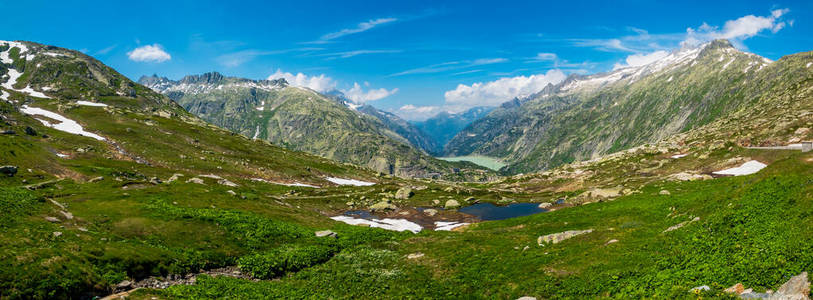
(585, 117)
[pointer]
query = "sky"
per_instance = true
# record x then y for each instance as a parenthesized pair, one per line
(413, 58)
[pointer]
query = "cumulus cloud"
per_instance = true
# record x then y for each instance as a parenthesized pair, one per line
(496, 92)
(149, 53)
(359, 95)
(320, 83)
(737, 30)
(636, 60)
(418, 113)
(361, 27)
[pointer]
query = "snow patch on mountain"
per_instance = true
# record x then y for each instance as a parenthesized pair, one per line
(88, 103)
(388, 224)
(342, 181)
(65, 124)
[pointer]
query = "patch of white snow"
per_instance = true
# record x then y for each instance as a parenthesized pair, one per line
(342, 181)
(448, 226)
(808, 64)
(388, 224)
(88, 103)
(747, 168)
(65, 124)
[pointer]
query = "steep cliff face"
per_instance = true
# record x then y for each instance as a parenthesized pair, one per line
(299, 119)
(587, 116)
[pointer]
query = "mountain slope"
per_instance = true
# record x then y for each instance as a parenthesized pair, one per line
(444, 126)
(298, 119)
(587, 116)
(414, 135)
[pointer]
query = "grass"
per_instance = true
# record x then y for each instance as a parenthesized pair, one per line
(756, 230)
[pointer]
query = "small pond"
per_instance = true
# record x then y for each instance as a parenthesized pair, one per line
(488, 211)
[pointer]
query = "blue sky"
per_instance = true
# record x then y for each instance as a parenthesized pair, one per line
(415, 58)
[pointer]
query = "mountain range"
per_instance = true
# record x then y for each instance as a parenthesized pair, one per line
(302, 119)
(585, 117)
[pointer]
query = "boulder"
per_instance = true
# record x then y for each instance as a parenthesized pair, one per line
(230, 192)
(57, 233)
(383, 205)
(415, 255)
(195, 180)
(555, 238)
(452, 204)
(700, 289)
(526, 298)
(430, 212)
(226, 182)
(30, 131)
(174, 177)
(96, 179)
(545, 205)
(404, 193)
(8, 170)
(52, 219)
(797, 288)
(124, 285)
(736, 289)
(664, 192)
(326, 233)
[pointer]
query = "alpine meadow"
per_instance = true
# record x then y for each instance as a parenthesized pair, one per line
(406, 150)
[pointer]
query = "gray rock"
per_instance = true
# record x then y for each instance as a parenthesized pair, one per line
(125, 284)
(8, 170)
(545, 205)
(52, 219)
(383, 205)
(404, 193)
(96, 179)
(57, 233)
(415, 255)
(174, 177)
(664, 192)
(526, 298)
(226, 182)
(558, 237)
(700, 289)
(797, 288)
(30, 131)
(230, 192)
(195, 180)
(67, 215)
(430, 212)
(326, 233)
(452, 204)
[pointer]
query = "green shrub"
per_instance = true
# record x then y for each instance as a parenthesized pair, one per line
(284, 259)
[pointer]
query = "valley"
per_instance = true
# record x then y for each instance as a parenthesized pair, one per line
(682, 175)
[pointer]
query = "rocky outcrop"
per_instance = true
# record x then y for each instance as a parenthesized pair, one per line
(404, 193)
(8, 170)
(555, 238)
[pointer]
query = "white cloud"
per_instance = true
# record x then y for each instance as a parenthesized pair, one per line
(452, 65)
(358, 95)
(320, 83)
(418, 113)
(636, 60)
(347, 54)
(546, 57)
(361, 27)
(149, 53)
(496, 92)
(737, 30)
